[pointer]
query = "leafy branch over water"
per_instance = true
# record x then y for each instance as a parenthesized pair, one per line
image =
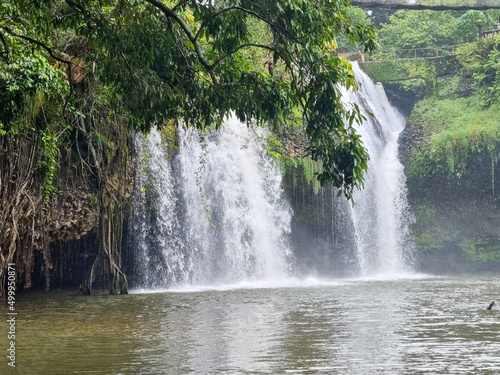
(105, 68)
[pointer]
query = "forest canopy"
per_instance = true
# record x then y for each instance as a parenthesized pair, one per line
(198, 62)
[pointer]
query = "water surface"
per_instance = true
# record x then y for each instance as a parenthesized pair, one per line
(418, 326)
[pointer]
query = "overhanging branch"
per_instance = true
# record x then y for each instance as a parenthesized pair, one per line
(52, 54)
(169, 13)
(37, 42)
(246, 45)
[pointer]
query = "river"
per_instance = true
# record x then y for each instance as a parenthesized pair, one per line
(422, 325)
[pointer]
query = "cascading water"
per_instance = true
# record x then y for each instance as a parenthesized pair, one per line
(380, 216)
(223, 219)
(213, 212)
(157, 227)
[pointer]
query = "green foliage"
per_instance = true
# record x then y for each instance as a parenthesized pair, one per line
(452, 130)
(466, 24)
(412, 29)
(410, 34)
(427, 28)
(429, 235)
(414, 74)
(24, 87)
(455, 130)
(32, 92)
(201, 61)
(356, 16)
(482, 63)
(169, 135)
(481, 249)
(386, 71)
(49, 161)
(455, 126)
(310, 170)
(94, 200)
(274, 146)
(25, 73)
(305, 167)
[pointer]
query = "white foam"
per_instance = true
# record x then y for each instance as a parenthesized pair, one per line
(307, 282)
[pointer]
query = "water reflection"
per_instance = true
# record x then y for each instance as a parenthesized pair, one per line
(373, 323)
(433, 326)
(310, 338)
(453, 333)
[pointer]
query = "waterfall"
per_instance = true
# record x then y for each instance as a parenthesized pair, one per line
(157, 233)
(381, 214)
(222, 219)
(210, 209)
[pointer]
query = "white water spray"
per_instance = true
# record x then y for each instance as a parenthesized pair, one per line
(380, 216)
(157, 228)
(227, 203)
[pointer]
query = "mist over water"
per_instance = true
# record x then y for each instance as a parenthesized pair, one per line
(213, 212)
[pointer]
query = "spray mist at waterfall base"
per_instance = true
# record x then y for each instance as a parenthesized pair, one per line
(213, 215)
(287, 283)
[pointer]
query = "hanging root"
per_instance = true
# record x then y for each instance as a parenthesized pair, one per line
(86, 286)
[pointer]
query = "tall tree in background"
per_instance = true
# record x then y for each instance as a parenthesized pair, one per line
(428, 28)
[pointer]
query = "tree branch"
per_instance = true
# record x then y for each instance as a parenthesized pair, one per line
(219, 60)
(169, 13)
(248, 11)
(193, 38)
(38, 43)
(6, 51)
(289, 64)
(53, 55)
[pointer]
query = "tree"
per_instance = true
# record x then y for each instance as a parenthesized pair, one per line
(427, 28)
(418, 29)
(186, 60)
(153, 61)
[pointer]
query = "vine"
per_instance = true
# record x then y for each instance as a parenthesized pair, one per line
(49, 161)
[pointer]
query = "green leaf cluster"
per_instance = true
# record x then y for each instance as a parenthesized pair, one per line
(482, 63)
(454, 130)
(49, 161)
(307, 169)
(431, 231)
(481, 249)
(199, 62)
(428, 28)
(413, 29)
(462, 118)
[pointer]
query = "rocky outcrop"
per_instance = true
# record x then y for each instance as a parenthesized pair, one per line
(73, 214)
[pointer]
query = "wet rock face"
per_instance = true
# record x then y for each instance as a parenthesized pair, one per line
(72, 215)
(402, 99)
(411, 137)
